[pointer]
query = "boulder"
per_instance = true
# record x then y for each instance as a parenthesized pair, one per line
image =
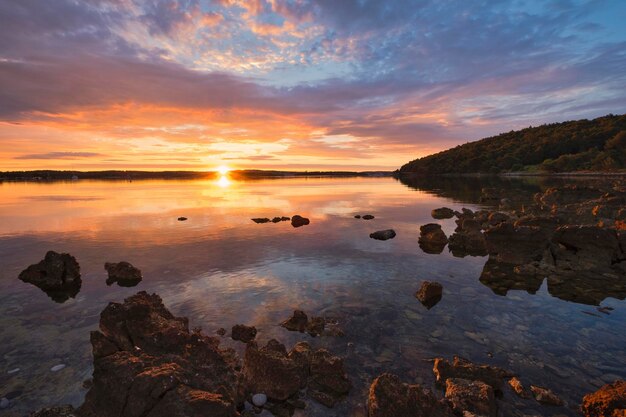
(608, 401)
(383, 234)
(123, 273)
(545, 396)
(58, 275)
(462, 244)
(432, 239)
(147, 361)
(243, 333)
(442, 213)
(473, 396)
(464, 369)
(298, 221)
(430, 293)
(389, 397)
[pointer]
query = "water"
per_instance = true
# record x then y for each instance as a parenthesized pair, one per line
(219, 269)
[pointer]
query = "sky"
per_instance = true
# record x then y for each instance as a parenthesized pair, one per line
(293, 84)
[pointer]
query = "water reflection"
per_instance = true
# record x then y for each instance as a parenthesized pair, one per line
(219, 268)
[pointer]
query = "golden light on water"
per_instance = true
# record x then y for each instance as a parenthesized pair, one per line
(223, 181)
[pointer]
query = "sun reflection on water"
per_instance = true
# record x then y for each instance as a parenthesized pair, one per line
(223, 181)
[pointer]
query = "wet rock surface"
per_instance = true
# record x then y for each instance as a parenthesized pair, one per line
(464, 369)
(58, 275)
(383, 234)
(243, 333)
(608, 401)
(471, 396)
(122, 273)
(430, 293)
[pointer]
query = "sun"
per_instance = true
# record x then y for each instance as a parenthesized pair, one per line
(223, 169)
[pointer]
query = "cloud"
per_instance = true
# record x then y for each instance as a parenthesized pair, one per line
(60, 155)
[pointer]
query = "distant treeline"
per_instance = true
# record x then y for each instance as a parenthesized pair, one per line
(581, 145)
(51, 175)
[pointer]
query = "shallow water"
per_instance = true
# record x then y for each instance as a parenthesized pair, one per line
(219, 268)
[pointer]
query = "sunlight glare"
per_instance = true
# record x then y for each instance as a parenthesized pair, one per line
(223, 170)
(223, 182)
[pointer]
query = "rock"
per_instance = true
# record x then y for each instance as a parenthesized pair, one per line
(328, 382)
(298, 221)
(496, 218)
(502, 277)
(464, 369)
(383, 234)
(430, 293)
(297, 322)
(545, 396)
(182, 219)
(261, 220)
(147, 362)
(277, 220)
(358, 216)
(473, 396)
(259, 399)
(243, 333)
(432, 239)
(471, 243)
(63, 411)
(4, 403)
(608, 401)
(285, 219)
(221, 331)
(442, 213)
(123, 273)
(367, 217)
(273, 371)
(517, 245)
(585, 247)
(518, 388)
(489, 195)
(57, 368)
(316, 325)
(389, 397)
(58, 275)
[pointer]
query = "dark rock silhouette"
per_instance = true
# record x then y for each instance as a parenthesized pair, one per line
(383, 234)
(243, 333)
(58, 275)
(122, 273)
(298, 221)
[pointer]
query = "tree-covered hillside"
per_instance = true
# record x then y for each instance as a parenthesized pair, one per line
(582, 145)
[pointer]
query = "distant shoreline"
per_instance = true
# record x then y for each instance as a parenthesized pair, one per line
(578, 174)
(53, 175)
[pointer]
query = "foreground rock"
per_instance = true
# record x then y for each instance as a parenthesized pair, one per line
(608, 401)
(58, 275)
(243, 333)
(430, 293)
(389, 397)
(298, 221)
(123, 273)
(280, 374)
(432, 239)
(471, 396)
(464, 369)
(300, 322)
(383, 234)
(63, 411)
(146, 362)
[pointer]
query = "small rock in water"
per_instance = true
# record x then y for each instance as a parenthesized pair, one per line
(13, 371)
(430, 293)
(545, 396)
(383, 234)
(259, 399)
(261, 220)
(297, 221)
(57, 368)
(182, 219)
(367, 217)
(4, 403)
(221, 331)
(358, 216)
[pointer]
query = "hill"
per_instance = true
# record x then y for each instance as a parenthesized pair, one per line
(581, 145)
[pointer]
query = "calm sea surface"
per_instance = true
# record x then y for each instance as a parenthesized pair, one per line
(219, 269)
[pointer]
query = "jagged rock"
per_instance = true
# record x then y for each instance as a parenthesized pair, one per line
(389, 397)
(147, 361)
(608, 401)
(430, 293)
(261, 220)
(442, 213)
(496, 218)
(274, 372)
(545, 396)
(517, 387)
(58, 275)
(298, 221)
(125, 274)
(62, 411)
(300, 322)
(432, 239)
(243, 333)
(473, 396)
(328, 383)
(383, 234)
(464, 369)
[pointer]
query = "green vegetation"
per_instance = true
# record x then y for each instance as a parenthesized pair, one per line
(582, 145)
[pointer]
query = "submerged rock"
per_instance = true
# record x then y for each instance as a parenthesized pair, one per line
(442, 213)
(58, 275)
(298, 221)
(545, 396)
(243, 333)
(147, 361)
(383, 234)
(300, 322)
(432, 239)
(125, 274)
(608, 401)
(389, 397)
(471, 396)
(464, 369)
(430, 293)
(328, 382)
